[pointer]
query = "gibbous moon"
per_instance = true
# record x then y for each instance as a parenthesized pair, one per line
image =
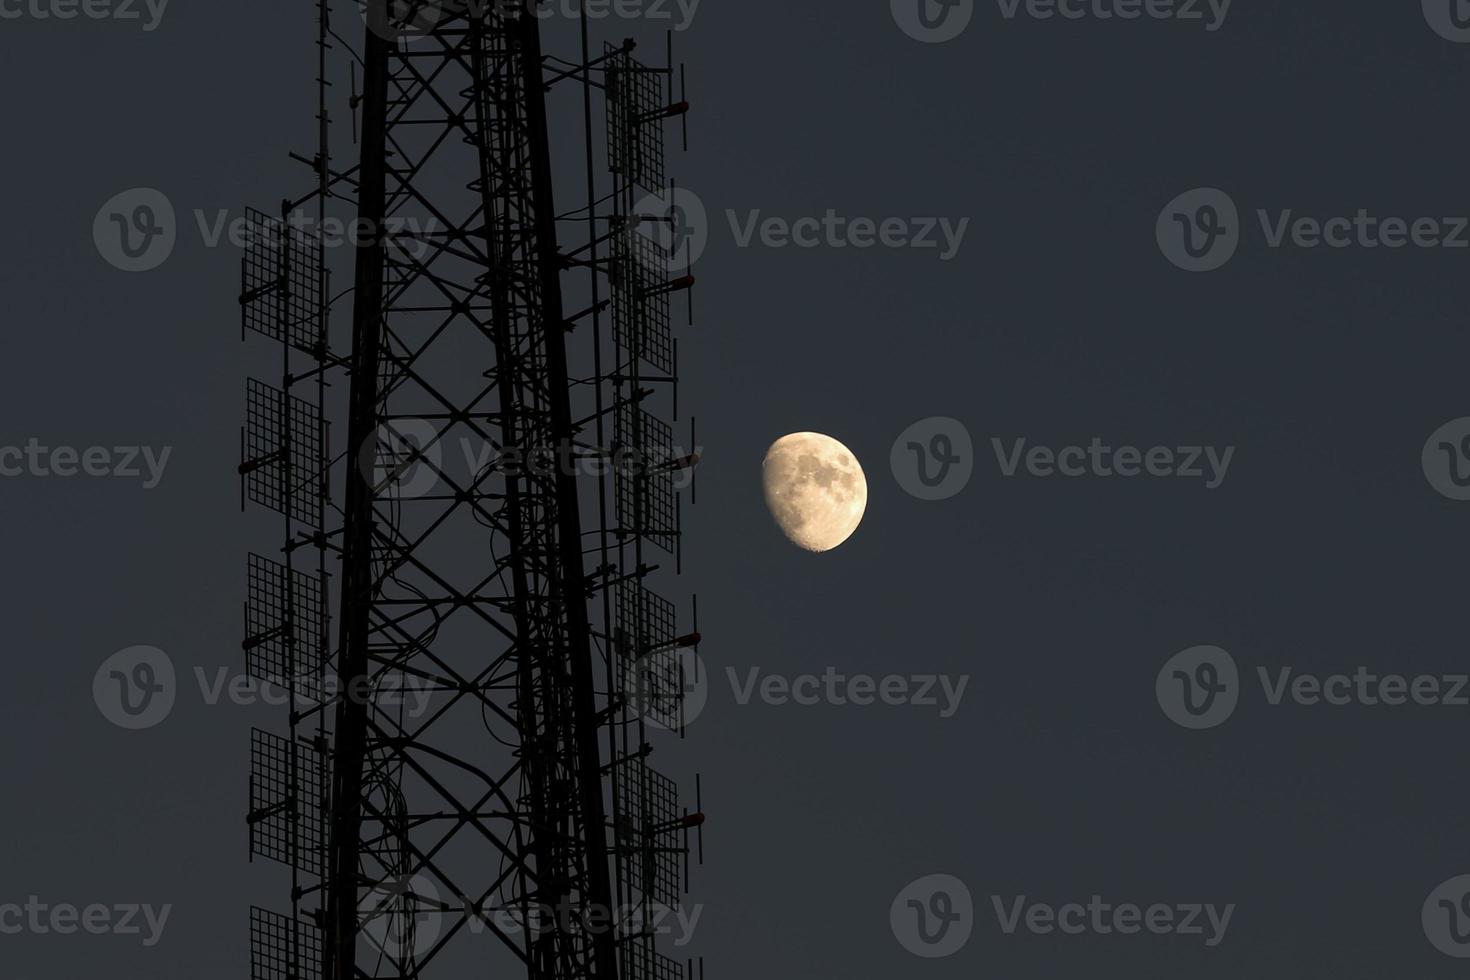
(815, 489)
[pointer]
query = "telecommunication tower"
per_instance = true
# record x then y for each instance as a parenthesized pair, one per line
(470, 453)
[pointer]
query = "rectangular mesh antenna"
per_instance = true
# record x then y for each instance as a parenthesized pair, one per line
(283, 453)
(643, 488)
(286, 817)
(283, 948)
(642, 962)
(283, 630)
(635, 123)
(642, 326)
(281, 293)
(649, 804)
(652, 675)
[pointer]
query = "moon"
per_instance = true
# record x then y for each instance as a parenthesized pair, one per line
(815, 489)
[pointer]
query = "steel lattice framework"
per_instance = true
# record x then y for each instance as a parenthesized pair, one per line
(466, 774)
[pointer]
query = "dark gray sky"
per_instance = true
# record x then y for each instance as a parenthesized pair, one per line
(1059, 320)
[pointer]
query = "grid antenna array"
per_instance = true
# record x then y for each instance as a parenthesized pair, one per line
(283, 628)
(644, 481)
(282, 452)
(283, 948)
(284, 284)
(287, 787)
(642, 962)
(645, 227)
(648, 825)
(652, 671)
(640, 302)
(635, 115)
(281, 273)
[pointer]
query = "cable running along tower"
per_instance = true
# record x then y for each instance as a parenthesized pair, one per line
(468, 452)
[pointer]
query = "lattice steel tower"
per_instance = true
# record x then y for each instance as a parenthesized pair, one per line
(464, 786)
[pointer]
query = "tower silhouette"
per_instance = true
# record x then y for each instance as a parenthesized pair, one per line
(466, 774)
